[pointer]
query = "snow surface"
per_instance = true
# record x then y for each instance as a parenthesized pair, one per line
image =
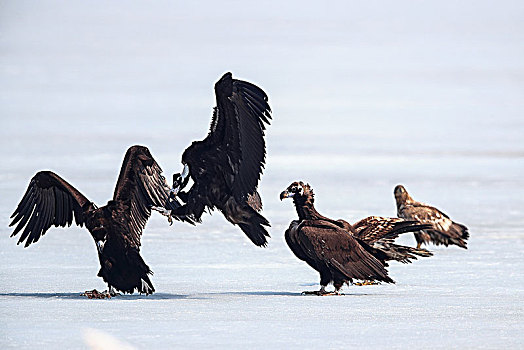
(365, 96)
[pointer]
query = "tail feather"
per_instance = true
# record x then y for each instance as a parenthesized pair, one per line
(255, 229)
(462, 232)
(146, 286)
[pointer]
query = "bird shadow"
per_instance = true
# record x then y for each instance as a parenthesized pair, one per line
(44, 295)
(79, 296)
(262, 293)
(158, 296)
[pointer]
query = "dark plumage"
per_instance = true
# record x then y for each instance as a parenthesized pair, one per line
(116, 227)
(381, 232)
(442, 231)
(327, 247)
(226, 165)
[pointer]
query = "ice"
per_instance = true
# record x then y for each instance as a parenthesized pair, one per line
(365, 96)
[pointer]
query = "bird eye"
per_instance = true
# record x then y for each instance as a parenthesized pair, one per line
(293, 189)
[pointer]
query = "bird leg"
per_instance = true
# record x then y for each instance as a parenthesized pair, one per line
(112, 291)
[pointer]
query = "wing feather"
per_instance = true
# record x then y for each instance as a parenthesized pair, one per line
(376, 228)
(140, 186)
(240, 117)
(427, 214)
(332, 245)
(443, 231)
(49, 201)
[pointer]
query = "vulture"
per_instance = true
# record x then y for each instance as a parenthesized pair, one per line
(226, 166)
(443, 230)
(328, 247)
(116, 227)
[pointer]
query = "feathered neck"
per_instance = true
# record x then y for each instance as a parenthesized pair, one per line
(304, 204)
(404, 199)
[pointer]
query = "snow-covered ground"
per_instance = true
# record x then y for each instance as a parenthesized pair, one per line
(365, 96)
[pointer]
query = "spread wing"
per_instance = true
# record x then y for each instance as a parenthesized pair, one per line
(48, 201)
(375, 228)
(330, 244)
(140, 186)
(238, 127)
(381, 232)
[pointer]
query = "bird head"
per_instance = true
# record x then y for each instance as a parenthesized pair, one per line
(401, 194)
(296, 190)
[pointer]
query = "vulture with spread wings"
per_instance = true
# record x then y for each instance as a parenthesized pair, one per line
(442, 229)
(116, 227)
(325, 245)
(226, 166)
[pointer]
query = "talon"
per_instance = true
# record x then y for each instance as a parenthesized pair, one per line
(164, 212)
(173, 192)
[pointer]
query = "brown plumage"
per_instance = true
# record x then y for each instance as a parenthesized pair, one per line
(442, 231)
(116, 227)
(327, 247)
(381, 232)
(226, 166)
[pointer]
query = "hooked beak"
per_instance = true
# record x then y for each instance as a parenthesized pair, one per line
(185, 172)
(286, 194)
(180, 181)
(100, 246)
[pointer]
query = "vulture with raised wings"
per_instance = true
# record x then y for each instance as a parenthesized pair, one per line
(443, 230)
(116, 227)
(226, 166)
(325, 245)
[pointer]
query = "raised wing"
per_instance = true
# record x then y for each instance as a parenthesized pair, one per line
(327, 242)
(49, 200)
(140, 186)
(375, 228)
(238, 126)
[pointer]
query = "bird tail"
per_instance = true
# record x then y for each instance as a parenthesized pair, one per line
(462, 235)
(254, 228)
(146, 286)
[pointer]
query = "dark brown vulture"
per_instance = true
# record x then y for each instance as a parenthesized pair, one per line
(442, 231)
(226, 166)
(116, 227)
(327, 247)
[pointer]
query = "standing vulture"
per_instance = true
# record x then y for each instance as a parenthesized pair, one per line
(226, 166)
(116, 227)
(327, 247)
(442, 231)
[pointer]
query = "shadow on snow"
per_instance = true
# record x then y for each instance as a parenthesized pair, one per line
(156, 296)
